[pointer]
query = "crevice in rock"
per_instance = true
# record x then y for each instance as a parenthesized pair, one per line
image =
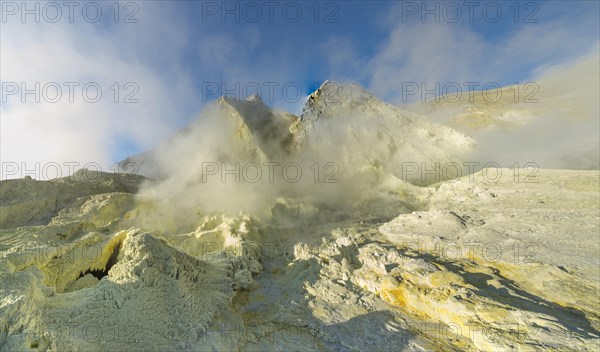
(112, 260)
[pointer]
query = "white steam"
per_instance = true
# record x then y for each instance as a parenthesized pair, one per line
(240, 156)
(553, 122)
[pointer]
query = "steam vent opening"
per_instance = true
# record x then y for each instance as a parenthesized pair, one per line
(112, 260)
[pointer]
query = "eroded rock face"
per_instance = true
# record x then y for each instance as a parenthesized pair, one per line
(29, 202)
(454, 275)
(145, 292)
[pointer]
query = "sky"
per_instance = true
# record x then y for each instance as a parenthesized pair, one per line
(90, 83)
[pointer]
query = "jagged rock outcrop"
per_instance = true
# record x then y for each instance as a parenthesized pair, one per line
(341, 124)
(358, 130)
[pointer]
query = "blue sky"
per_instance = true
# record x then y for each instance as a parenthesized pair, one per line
(177, 52)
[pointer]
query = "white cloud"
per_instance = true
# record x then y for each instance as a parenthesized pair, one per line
(425, 53)
(342, 57)
(430, 52)
(75, 130)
